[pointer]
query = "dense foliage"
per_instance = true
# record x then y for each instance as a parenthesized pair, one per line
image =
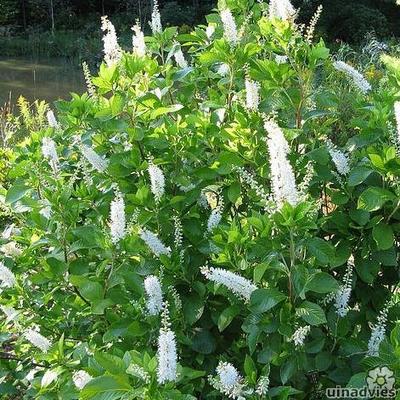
(235, 205)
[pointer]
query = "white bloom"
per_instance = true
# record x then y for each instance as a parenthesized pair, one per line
(11, 249)
(51, 119)
(342, 296)
(155, 23)
(46, 210)
(112, 51)
(359, 81)
(281, 59)
(37, 340)
(378, 332)
(138, 372)
(242, 287)
(223, 69)
(229, 382)
(397, 116)
(48, 378)
(263, 385)
(98, 163)
(249, 179)
(117, 217)
(252, 95)
(300, 335)
(138, 43)
(81, 379)
(7, 278)
(215, 218)
(31, 374)
(8, 232)
(88, 79)
(180, 59)
(281, 9)
(10, 312)
(282, 176)
(230, 29)
(166, 353)
(49, 151)
(210, 31)
(154, 243)
(153, 290)
(339, 158)
(228, 375)
(157, 181)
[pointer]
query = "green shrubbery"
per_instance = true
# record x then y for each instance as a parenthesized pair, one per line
(216, 222)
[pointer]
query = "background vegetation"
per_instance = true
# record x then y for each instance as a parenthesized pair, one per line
(71, 27)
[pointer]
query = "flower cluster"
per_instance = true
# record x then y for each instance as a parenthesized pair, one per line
(262, 385)
(359, 81)
(378, 332)
(281, 9)
(7, 278)
(154, 243)
(37, 340)
(252, 95)
(49, 151)
(157, 181)
(117, 218)
(166, 353)
(230, 29)
(51, 119)
(99, 163)
(339, 158)
(215, 217)
(300, 335)
(138, 372)
(112, 51)
(155, 22)
(11, 249)
(152, 286)
(282, 176)
(180, 58)
(81, 379)
(10, 313)
(138, 43)
(342, 296)
(240, 286)
(228, 381)
(88, 79)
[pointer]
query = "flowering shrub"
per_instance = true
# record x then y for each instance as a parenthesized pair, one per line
(210, 220)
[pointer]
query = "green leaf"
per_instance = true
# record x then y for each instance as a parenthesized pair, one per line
(16, 192)
(383, 236)
(227, 316)
(193, 307)
(321, 282)
(374, 198)
(165, 110)
(234, 192)
(204, 342)
(105, 388)
(288, 369)
(112, 364)
(322, 250)
(311, 313)
(358, 175)
(262, 300)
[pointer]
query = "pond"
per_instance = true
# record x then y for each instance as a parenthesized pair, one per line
(48, 80)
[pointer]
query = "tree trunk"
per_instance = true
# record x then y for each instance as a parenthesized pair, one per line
(52, 17)
(23, 6)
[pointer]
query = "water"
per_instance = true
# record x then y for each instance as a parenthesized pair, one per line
(48, 80)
